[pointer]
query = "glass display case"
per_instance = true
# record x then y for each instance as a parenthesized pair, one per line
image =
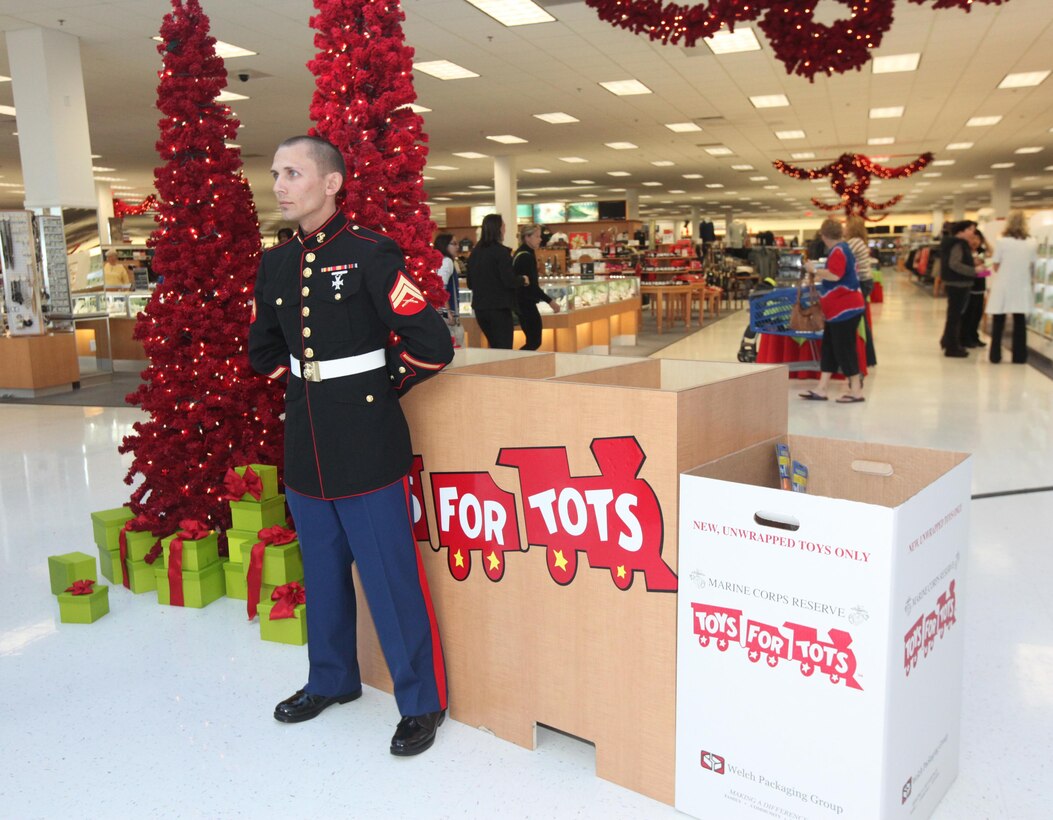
(574, 294)
(115, 304)
(1040, 319)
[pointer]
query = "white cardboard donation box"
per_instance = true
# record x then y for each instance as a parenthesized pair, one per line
(819, 641)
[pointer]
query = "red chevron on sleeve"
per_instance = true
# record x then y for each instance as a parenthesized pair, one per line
(405, 297)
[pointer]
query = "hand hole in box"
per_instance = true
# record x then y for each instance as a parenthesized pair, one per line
(777, 521)
(872, 467)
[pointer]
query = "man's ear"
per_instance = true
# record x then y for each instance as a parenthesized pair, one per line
(334, 182)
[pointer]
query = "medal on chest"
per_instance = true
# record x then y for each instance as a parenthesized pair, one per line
(338, 272)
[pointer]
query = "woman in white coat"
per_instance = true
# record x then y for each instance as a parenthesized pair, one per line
(1014, 260)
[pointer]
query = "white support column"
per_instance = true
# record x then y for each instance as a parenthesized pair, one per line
(52, 118)
(1001, 193)
(632, 203)
(958, 207)
(694, 217)
(937, 223)
(104, 206)
(506, 195)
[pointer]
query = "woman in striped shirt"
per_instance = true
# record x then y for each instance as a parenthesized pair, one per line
(856, 239)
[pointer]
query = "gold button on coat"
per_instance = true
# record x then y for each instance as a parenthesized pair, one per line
(278, 301)
(338, 296)
(369, 398)
(402, 370)
(309, 257)
(308, 352)
(306, 291)
(307, 273)
(306, 311)
(306, 332)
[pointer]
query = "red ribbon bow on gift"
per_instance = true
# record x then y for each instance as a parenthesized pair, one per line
(254, 577)
(237, 486)
(138, 524)
(84, 587)
(288, 597)
(191, 530)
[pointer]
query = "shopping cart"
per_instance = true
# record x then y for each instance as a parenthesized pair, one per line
(770, 314)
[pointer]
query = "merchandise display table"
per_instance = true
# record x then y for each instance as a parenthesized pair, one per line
(38, 365)
(673, 301)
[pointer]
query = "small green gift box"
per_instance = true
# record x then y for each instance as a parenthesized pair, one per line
(200, 587)
(196, 554)
(239, 543)
(268, 478)
(84, 609)
(284, 630)
(234, 575)
(65, 569)
(140, 576)
(282, 563)
(257, 515)
(110, 566)
(106, 526)
(139, 544)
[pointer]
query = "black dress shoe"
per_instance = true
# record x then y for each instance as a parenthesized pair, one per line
(960, 353)
(416, 734)
(304, 706)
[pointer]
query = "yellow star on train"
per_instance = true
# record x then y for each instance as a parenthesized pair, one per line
(458, 559)
(621, 570)
(560, 560)
(495, 562)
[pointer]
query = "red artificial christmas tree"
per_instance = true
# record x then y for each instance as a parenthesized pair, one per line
(208, 410)
(364, 72)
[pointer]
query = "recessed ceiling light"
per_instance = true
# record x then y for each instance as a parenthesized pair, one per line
(1024, 79)
(590, 196)
(583, 182)
(616, 190)
(650, 184)
(663, 163)
(427, 178)
(742, 167)
(714, 185)
(626, 88)
(442, 198)
(507, 139)
(621, 146)
(573, 159)
(758, 179)
(536, 171)
(932, 174)
(691, 176)
(469, 154)
(732, 42)
(444, 70)
(1003, 164)
(770, 101)
(978, 122)
(4, 79)
(719, 151)
(803, 155)
(232, 145)
(618, 173)
(881, 141)
(891, 112)
(682, 127)
(943, 162)
(110, 179)
(416, 109)
(982, 176)
(790, 135)
(894, 63)
(676, 191)
(482, 187)
(229, 96)
(878, 159)
(443, 167)
(557, 118)
(102, 170)
(1031, 149)
(959, 146)
(511, 13)
(771, 187)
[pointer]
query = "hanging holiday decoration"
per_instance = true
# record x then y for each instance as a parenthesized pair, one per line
(364, 88)
(207, 409)
(804, 46)
(850, 177)
(122, 208)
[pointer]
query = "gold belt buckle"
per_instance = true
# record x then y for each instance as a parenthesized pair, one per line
(311, 372)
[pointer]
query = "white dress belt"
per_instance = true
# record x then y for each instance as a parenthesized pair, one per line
(335, 368)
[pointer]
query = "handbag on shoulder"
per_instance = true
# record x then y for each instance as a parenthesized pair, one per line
(807, 319)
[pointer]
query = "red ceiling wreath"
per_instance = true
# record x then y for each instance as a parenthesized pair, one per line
(853, 193)
(122, 208)
(804, 46)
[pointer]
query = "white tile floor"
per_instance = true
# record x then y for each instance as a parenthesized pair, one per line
(157, 712)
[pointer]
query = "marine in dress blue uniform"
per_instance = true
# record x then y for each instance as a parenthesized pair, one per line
(325, 304)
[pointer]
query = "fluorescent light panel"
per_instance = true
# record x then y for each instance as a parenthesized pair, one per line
(895, 63)
(790, 135)
(959, 146)
(682, 127)
(803, 155)
(617, 173)
(557, 118)
(469, 155)
(507, 139)
(742, 168)
(881, 141)
(536, 171)
(444, 70)
(573, 159)
(1031, 149)
(733, 42)
(626, 88)
(980, 122)
(889, 113)
(663, 163)
(1024, 79)
(621, 146)
(770, 101)
(719, 151)
(513, 12)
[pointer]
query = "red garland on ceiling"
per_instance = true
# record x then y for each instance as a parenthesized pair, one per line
(122, 208)
(804, 46)
(853, 194)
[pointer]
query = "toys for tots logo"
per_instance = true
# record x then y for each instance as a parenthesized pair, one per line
(921, 637)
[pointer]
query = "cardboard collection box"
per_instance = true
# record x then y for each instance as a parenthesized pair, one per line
(819, 662)
(72, 566)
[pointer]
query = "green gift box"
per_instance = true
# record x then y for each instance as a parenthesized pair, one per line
(140, 576)
(239, 544)
(257, 515)
(268, 478)
(110, 566)
(200, 587)
(106, 526)
(84, 609)
(65, 569)
(284, 630)
(282, 563)
(139, 544)
(234, 576)
(196, 554)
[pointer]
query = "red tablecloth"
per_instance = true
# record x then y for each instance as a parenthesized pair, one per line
(788, 349)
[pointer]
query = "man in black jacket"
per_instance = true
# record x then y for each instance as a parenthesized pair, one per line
(957, 270)
(324, 307)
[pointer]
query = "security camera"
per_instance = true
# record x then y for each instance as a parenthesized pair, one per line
(244, 76)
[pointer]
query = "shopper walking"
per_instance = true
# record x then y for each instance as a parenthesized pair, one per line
(856, 239)
(493, 284)
(974, 309)
(842, 304)
(325, 305)
(528, 291)
(957, 270)
(1012, 264)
